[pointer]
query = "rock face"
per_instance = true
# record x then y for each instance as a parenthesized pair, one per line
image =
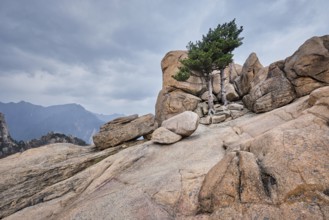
(124, 129)
(275, 91)
(275, 167)
(41, 175)
(173, 103)
(280, 174)
(176, 97)
(169, 65)
(141, 182)
(308, 67)
(250, 68)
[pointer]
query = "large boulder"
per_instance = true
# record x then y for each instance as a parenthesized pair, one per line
(183, 124)
(308, 67)
(170, 104)
(117, 123)
(273, 92)
(250, 68)
(169, 65)
(176, 127)
(164, 136)
(124, 129)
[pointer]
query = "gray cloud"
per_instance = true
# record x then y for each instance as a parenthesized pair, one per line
(106, 54)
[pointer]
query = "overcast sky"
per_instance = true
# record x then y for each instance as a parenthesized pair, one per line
(106, 54)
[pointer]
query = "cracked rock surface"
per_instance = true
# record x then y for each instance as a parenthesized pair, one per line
(281, 173)
(271, 87)
(147, 181)
(267, 166)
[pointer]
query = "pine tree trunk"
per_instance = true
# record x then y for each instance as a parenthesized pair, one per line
(222, 83)
(211, 110)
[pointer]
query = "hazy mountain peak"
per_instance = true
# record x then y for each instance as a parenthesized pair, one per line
(27, 121)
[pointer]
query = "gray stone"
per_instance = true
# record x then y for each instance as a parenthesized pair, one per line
(205, 120)
(227, 113)
(219, 108)
(164, 136)
(235, 106)
(183, 124)
(218, 118)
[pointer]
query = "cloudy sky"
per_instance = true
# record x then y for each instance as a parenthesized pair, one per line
(106, 54)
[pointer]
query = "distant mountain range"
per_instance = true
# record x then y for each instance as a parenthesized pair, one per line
(27, 121)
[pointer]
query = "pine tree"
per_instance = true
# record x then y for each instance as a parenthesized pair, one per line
(213, 52)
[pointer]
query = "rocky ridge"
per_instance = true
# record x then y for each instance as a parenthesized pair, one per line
(260, 88)
(271, 165)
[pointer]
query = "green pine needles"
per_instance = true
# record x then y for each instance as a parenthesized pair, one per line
(213, 52)
(183, 74)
